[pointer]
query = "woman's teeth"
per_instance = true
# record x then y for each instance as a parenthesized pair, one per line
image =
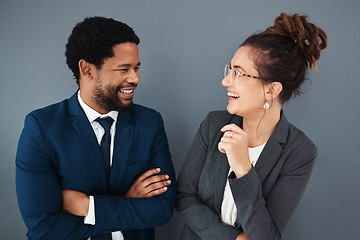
(233, 95)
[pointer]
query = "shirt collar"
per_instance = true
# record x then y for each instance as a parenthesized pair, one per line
(92, 114)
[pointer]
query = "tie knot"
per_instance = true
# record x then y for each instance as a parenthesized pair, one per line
(106, 123)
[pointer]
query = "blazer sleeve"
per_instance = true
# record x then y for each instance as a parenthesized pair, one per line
(118, 213)
(266, 218)
(39, 191)
(201, 218)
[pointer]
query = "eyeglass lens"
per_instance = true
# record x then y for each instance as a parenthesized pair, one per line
(227, 72)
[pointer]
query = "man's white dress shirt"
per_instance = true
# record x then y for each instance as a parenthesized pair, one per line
(99, 131)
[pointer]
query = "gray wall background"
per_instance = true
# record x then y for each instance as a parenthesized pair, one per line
(184, 47)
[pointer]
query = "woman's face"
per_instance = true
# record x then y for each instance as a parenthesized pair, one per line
(246, 95)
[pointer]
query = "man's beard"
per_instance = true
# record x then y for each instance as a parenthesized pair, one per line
(107, 98)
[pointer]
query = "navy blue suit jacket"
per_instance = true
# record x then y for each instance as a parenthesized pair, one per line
(58, 150)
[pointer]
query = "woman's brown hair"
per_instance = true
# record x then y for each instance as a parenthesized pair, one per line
(283, 52)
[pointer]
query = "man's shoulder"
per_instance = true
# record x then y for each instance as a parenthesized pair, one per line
(50, 118)
(52, 109)
(146, 119)
(140, 111)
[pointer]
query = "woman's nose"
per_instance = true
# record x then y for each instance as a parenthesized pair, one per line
(226, 81)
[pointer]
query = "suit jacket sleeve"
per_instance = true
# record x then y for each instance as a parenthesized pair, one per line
(200, 217)
(117, 213)
(39, 190)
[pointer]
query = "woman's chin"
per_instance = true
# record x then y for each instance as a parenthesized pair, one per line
(230, 109)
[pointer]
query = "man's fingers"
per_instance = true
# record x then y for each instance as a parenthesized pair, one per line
(158, 185)
(149, 184)
(157, 192)
(148, 173)
(155, 179)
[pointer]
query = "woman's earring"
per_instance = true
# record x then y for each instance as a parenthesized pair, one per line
(266, 106)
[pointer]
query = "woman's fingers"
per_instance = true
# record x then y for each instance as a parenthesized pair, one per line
(231, 127)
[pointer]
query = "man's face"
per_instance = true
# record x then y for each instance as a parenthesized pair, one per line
(117, 79)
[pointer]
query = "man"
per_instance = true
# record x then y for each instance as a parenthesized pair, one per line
(96, 166)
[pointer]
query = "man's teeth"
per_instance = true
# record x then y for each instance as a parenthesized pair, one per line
(233, 95)
(126, 91)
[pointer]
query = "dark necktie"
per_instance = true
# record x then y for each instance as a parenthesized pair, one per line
(105, 150)
(105, 141)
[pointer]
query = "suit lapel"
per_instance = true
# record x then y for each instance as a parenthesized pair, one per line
(222, 169)
(122, 144)
(222, 166)
(86, 133)
(273, 149)
(267, 159)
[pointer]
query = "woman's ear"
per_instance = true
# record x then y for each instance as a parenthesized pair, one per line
(272, 90)
(85, 69)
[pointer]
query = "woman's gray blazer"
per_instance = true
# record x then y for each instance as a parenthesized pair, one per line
(265, 198)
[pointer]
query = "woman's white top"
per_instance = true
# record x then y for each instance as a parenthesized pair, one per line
(228, 207)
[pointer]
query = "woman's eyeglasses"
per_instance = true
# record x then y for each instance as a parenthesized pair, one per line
(235, 74)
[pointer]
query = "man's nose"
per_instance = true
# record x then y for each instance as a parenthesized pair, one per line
(134, 77)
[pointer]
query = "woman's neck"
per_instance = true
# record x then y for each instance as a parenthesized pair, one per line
(260, 128)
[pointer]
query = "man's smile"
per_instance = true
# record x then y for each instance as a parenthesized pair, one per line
(126, 91)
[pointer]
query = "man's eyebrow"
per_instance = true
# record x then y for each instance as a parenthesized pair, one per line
(123, 65)
(126, 65)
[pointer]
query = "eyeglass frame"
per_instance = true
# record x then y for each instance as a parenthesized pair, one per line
(228, 70)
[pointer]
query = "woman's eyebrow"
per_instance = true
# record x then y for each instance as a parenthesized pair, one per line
(238, 66)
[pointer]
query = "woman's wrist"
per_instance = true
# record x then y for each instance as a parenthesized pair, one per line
(243, 170)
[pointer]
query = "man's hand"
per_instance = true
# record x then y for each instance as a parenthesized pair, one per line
(149, 185)
(76, 203)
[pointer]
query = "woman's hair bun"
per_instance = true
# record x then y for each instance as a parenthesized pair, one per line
(309, 38)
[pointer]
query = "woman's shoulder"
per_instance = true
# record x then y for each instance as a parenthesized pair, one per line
(298, 138)
(295, 141)
(290, 135)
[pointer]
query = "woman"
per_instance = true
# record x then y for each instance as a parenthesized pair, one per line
(247, 168)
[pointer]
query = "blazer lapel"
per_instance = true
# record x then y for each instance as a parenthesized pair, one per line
(222, 166)
(86, 133)
(267, 159)
(273, 149)
(122, 144)
(222, 169)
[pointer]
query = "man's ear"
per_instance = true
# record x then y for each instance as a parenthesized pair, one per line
(272, 90)
(85, 69)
